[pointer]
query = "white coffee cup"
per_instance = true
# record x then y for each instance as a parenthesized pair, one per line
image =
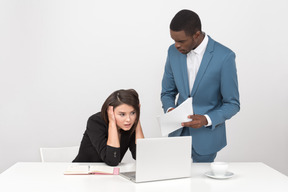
(219, 168)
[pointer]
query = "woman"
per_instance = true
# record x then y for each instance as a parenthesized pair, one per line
(112, 131)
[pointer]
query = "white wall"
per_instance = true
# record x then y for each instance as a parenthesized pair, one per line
(59, 60)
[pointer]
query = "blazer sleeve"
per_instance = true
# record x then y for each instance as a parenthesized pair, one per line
(169, 89)
(132, 145)
(229, 92)
(97, 132)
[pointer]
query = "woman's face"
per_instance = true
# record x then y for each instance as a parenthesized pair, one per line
(125, 116)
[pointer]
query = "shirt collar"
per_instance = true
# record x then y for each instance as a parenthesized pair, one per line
(201, 48)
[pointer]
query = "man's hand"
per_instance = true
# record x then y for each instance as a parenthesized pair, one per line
(197, 121)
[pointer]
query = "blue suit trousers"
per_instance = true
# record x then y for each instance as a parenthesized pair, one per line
(197, 158)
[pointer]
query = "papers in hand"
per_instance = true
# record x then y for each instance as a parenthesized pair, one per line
(172, 120)
(91, 169)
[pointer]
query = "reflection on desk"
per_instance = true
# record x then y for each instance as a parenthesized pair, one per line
(49, 177)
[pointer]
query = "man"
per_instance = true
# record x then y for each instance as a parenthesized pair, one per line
(201, 68)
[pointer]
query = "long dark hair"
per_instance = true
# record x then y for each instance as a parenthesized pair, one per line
(119, 97)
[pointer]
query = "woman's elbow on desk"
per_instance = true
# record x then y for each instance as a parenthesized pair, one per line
(112, 163)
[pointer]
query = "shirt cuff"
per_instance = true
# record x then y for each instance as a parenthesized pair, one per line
(208, 120)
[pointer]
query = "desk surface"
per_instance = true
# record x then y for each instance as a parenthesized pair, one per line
(49, 177)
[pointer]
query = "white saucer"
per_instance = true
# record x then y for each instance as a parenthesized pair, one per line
(226, 176)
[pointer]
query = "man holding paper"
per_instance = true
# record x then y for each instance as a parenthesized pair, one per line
(201, 68)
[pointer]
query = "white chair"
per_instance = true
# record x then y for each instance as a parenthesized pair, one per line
(59, 154)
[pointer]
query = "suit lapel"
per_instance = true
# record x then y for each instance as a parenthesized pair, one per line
(204, 64)
(185, 79)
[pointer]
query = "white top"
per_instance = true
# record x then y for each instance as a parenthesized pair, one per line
(47, 177)
(194, 59)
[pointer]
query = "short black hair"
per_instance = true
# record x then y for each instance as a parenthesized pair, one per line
(186, 20)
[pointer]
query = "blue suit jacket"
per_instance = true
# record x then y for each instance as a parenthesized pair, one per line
(215, 92)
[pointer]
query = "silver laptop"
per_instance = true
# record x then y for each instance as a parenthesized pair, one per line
(162, 158)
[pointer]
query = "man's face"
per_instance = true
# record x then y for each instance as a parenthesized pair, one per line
(183, 43)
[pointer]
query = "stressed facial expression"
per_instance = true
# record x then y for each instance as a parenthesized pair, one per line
(125, 116)
(183, 43)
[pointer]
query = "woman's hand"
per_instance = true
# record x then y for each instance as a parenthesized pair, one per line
(111, 116)
(113, 134)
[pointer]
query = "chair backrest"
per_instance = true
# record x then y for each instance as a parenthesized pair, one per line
(59, 154)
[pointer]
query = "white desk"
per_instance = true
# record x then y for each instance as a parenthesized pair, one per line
(42, 177)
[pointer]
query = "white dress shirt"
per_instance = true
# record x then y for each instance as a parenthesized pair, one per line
(194, 58)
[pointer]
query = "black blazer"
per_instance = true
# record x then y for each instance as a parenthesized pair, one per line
(94, 146)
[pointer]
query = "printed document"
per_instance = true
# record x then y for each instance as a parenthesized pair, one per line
(172, 120)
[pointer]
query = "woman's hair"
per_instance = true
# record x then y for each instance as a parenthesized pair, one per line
(186, 20)
(119, 97)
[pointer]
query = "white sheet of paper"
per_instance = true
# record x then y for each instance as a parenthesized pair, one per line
(172, 120)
